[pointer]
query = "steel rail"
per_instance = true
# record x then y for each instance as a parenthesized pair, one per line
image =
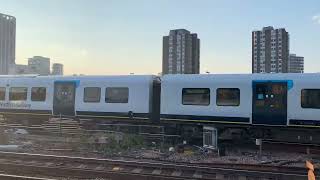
(158, 170)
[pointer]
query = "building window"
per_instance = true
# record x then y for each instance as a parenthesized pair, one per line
(117, 95)
(2, 93)
(228, 97)
(310, 98)
(38, 94)
(18, 94)
(196, 96)
(92, 94)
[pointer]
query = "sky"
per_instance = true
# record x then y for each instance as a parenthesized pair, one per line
(102, 37)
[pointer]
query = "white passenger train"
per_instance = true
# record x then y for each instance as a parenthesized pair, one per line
(255, 99)
(34, 97)
(263, 102)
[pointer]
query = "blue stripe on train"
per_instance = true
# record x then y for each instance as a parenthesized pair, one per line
(30, 111)
(116, 114)
(289, 82)
(76, 82)
(304, 122)
(206, 118)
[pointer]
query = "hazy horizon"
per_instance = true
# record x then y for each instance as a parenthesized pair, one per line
(122, 37)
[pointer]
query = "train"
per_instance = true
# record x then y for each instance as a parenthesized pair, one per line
(283, 107)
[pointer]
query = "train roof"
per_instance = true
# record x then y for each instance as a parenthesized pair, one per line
(239, 77)
(77, 77)
(114, 78)
(173, 77)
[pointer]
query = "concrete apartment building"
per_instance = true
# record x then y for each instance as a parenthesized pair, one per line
(15, 69)
(181, 53)
(36, 65)
(7, 42)
(39, 65)
(296, 64)
(57, 69)
(270, 50)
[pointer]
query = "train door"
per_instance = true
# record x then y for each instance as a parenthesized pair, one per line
(64, 98)
(269, 103)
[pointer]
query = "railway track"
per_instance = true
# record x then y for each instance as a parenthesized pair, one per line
(15, 177)
(59, 167)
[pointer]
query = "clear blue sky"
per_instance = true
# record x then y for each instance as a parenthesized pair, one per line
(119, 37)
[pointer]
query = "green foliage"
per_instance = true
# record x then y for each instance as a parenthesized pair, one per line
(126, 143)
(83, 142)
(4, 139)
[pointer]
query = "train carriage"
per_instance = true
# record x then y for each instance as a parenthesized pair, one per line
(29, 98)
(279, 105)
(24, 99)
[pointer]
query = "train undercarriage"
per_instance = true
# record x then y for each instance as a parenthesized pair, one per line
(208, 135)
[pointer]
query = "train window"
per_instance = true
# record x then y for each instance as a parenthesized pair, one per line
(2, 93)
(310, 98)
(92, 94)
(18, 94)
(196, 96)
(38, 94)
(228, 97)
(117, 95)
